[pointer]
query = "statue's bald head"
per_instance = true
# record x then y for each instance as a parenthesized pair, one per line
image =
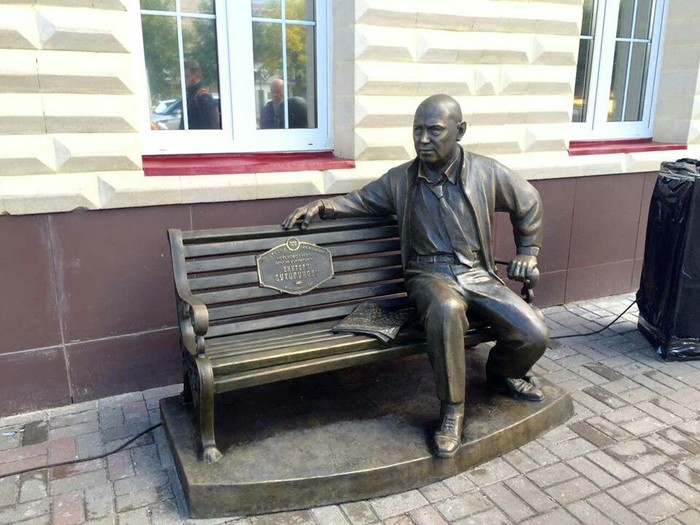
(445, 104)
(437, 130)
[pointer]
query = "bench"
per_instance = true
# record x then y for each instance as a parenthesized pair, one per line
(236, 334)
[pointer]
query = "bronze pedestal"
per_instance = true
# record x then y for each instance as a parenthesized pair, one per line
(348, 435)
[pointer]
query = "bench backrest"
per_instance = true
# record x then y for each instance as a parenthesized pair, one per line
(219, 268)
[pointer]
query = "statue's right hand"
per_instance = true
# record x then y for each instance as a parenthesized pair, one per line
(305, 214)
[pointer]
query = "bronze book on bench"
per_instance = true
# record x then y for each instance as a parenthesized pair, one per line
(372, 319)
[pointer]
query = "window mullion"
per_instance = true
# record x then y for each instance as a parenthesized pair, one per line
(607, 59)
(241, 67)
(181, 59)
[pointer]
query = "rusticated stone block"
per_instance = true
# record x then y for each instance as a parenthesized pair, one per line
(84, 30)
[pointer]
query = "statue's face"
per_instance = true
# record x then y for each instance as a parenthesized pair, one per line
(436, 133)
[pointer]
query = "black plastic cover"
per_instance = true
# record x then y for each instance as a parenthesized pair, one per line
(669, 291)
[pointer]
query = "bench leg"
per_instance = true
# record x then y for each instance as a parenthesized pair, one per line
(187, 379)
(205, 406)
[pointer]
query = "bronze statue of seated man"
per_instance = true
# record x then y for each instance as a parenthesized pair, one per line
(445, 200)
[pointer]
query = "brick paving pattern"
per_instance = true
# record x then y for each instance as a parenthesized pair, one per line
(630, 454)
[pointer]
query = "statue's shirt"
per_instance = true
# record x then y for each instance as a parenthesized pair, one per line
(430, 235)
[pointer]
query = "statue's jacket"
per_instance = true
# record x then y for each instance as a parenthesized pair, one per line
(488, 187)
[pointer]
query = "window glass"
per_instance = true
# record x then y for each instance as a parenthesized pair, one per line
(163, 71)
(301, 72)
(180, 49)
(266, 8)
(197, 6)
(619, 77)
(299, 10)
(583, 78)
(628, 86)
(584, 64)
(285, 73)
(625, 18)
(270, 89)
(160, 5)
(643, 19)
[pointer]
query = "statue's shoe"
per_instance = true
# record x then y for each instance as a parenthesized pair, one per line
(448, 437)
(517, 388)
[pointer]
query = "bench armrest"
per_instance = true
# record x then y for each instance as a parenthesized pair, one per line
(194, 322)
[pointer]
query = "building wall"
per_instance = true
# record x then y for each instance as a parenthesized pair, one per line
(88, 306)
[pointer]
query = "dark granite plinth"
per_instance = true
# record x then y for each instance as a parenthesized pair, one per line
(347, 435)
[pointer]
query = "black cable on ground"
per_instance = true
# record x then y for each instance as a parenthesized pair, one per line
(83, 460)
(597, 331)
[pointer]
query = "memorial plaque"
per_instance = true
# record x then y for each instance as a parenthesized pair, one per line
(295, 268)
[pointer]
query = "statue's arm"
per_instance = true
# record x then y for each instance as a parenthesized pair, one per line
(374, 199)
(522, 201)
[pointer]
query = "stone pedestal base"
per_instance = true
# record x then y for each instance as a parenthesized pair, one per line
(348, 435)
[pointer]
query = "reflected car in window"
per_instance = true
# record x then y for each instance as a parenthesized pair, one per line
(167, 114)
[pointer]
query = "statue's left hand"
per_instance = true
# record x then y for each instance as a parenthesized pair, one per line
(523, 268)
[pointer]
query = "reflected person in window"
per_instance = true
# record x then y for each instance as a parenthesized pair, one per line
(445, 201)
(202, 109)
(269, 116)
(298, 113)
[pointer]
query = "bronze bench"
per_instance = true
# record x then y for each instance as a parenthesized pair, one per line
(236, 334)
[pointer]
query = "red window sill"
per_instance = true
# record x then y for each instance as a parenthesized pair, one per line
(232, 163)
(601, 147)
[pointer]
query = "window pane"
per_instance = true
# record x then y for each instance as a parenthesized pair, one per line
(634, 104)
(299, 10)
(205, 7)
(301, 74)
(583, 78)
(266, 8)
(624, 21)
(163, 70)
(269, 84)
(201, 73)
(643, 22)
(619, 79)
(584, 64)
(160, 5)
(588, 18)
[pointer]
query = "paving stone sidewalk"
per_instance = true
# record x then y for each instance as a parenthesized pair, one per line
(631, 453)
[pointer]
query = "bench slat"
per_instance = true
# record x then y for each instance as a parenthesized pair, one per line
(291, 354)
(248, 261)
(261, 245)
(314, 366)
(293, 302)
(282, 320)
(340, 266)
(231, 347)
(271, 230)
(247, 293)
(333, 362)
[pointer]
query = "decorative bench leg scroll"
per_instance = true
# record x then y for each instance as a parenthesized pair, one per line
(205, 402)
(188, 379)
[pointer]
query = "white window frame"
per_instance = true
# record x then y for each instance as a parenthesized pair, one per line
(239, 133)
(596, 126)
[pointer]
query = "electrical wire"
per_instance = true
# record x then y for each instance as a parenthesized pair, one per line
(602, 329)
(83, 460)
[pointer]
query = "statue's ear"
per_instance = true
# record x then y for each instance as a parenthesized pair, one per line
(461, 130)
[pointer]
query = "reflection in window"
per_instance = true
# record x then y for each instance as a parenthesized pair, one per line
(284, 56)
(179, 39)
(584, 64)
(632, 49)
